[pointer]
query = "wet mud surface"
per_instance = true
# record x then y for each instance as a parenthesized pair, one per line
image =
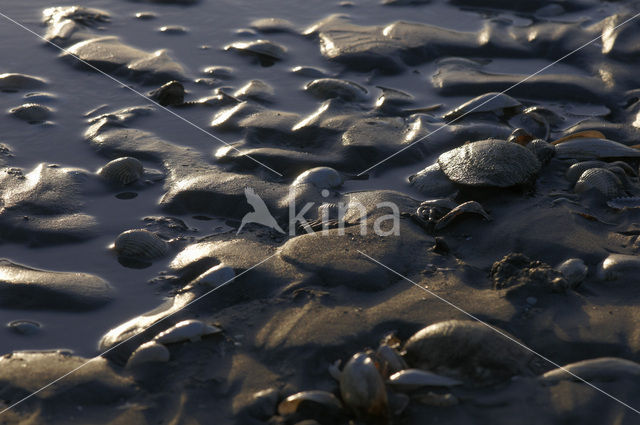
(128, 180)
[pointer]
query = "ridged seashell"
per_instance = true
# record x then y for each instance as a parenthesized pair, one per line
(465, 348)
(600, 369)
(320, 177)
(432, 182)
(469, 207)
(574, 172)
(187, 330)
(617, 266)
(624, 202)
(594, 149)
(488, 102)
(600, 179)
(171, 93)
(32, 112)
(413, 379)
(255, 89)
(24, 327)
(328, 88)
(491, 163)
(149, 352)
(389, 361)
(124, 170)
(363, 390)
(542, 150)
(320, 400)
(574, 271)
(140, 243)
(267, 51)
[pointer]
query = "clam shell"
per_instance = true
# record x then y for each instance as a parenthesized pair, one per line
(465, 346)
(594, 149)
(260, 48)
(140, 243)
(328, 88)
(149, 352)
(32, 112)
(497, 102)
(323, 399)
(13, 82)
(216, 276)
(491, 162)
(187, 330)
(432, 182)
(320, 177)
(619, 266)
(124, 170)
(413, 379)
(362, 388)
(601, 180)
(575, 171)
(600, 369)
(574, 271)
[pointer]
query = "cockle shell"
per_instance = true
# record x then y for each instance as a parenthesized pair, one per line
(574, 172)
(491, 162)
(488, 102)
(328, 88)
(413, 379)
(124, 170)
(323, 399)
(464, 347)
(32, 112)
(141, 244)
(600, 369)
(600, 179)
(320, 177)
(147, 353)
(363, 390)
(187, 330)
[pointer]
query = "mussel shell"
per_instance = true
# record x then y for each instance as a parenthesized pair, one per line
(362, 388)
(123, 171)
(141, 244)
(600, 179)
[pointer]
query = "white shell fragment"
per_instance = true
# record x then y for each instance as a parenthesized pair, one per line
(124, 170)
(187, 330)
(149, 352)
(619, 266)
(413, 379)
(141, 244)
(574, 271)
(320, 177)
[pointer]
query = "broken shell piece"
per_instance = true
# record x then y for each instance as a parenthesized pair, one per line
(147, 353)
(187, 330)
(413, 379)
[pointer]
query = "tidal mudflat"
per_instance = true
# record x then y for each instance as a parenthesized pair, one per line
(356, 212)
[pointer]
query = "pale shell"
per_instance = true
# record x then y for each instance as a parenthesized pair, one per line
(259, 47)
(328, 88)
(362, 388)
(617, 266)
(32, 112)
(594, 149)
(187, 330)
(574, 271)
(432, 182)
(141, 244)
(149, 352)
(216, 276)
(255, 89)
(124, 170)
(600, 179)
(497, 102)
(600, 369)
(389, 361)
(413, 379)
(320, 177)
(325, 399)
